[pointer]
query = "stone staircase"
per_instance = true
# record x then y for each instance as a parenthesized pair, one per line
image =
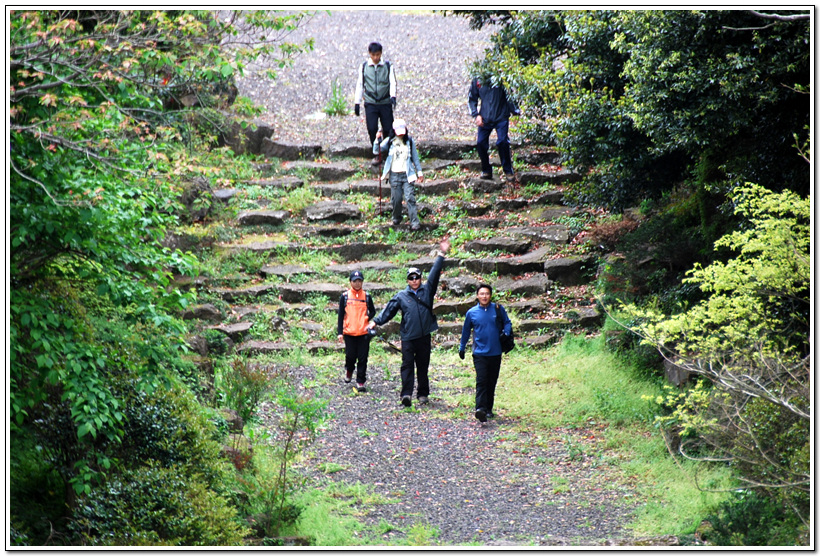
(505, 236)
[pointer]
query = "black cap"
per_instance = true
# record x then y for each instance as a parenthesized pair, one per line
(356, 275)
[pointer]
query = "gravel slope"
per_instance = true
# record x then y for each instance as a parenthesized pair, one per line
(428, 51)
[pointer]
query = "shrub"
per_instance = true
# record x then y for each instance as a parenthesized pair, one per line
(244, 384)
(751, 519)
(154, 505)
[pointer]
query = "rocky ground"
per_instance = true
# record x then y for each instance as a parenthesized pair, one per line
(429, 53)
(494, 484)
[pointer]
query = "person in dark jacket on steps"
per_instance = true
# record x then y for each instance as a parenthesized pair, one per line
(494, 114)
(355, 311)
(376, 87)
(417, 324)
(483, 320)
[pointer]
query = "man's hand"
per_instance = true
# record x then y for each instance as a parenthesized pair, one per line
(371, 325)
(444, 245)
(479, 121)
(340, 338)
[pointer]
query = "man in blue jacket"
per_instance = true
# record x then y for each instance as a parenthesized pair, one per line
(494, 114)
(483, 320)
(417, 325)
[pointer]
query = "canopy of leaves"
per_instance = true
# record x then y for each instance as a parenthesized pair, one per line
(638, 100)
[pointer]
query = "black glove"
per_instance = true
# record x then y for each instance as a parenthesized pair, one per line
(461, 353)
(393, 101)
(356, 109)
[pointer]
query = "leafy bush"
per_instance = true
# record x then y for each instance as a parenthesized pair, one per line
(153, 505)
(244, 384)
(751, 519)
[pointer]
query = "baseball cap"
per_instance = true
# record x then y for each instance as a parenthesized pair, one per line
(356, 275)
(413, 270)
(399, 127)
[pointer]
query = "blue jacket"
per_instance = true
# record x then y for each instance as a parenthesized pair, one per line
(483, 322)
(417, 318)
(413, 163)
(495, 105)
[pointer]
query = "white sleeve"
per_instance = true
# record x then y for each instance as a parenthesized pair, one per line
(392, 78)
(357, 98)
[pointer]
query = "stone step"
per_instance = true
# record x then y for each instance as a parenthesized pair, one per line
(371, 187)
(262, 217)
(364, 266)
(285, 271)
(294, 293)
(499, 243)
(325, 171)
(334, 211)
(287, 183)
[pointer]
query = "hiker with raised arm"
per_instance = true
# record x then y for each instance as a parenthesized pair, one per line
(493, 114)
(355, 311)
(418, 322)
(488, 322)
(404, 168)
(376, 88)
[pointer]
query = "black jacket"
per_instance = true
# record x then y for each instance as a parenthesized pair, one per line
(495, 105)
(417, 318)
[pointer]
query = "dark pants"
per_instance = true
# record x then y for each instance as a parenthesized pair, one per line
(357, 348)
(486, 377)
(415, 352)
(375, 112)
(503, 143)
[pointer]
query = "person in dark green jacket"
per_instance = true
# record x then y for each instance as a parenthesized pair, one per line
(417, 325)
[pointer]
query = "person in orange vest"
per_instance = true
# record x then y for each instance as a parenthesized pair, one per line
(355, 311)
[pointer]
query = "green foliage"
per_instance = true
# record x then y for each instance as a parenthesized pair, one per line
(337, 104)
(750, 338)
(244, 384)
(635, 100)
(749, 519)
(155, 505)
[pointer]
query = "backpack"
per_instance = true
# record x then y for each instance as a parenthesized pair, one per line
(507, 342)
(387, 65)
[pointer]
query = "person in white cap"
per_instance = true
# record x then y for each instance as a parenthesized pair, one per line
(404, 168)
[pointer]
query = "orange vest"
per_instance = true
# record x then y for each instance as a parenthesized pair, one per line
(355, 323)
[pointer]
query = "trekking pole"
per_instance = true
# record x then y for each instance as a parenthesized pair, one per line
(380, 178)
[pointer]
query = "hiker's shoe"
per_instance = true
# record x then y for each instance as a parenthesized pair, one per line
(415, 228)
(361, 387)
(490, 415)
(406, 401)
(424, 400)
(481, 415)
(348, 377)
(375, 161)
(511, 178)
(486, 176)
(396, 224)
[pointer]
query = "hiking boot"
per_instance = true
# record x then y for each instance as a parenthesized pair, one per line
(486, 176)
(406, 401)
(348, 376)
(490, 415)
(481, 415)
(415, 228)
(511, 178)
(424, 400)
(361, 387)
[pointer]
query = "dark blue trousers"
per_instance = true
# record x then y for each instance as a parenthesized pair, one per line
(502, 143)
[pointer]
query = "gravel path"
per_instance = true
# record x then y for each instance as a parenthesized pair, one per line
(429, 52)
(499, 483)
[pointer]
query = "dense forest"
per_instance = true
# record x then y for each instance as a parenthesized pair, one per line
(698, 119)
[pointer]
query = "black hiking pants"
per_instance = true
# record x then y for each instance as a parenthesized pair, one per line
(487, 368)
(373, 113)
(415, 353)
(357, 350)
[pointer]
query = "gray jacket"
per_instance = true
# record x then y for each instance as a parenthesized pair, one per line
(417, 318)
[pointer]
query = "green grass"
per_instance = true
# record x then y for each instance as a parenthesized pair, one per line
(580, 383)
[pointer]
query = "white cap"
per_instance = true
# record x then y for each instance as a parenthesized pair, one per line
(399, 127)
